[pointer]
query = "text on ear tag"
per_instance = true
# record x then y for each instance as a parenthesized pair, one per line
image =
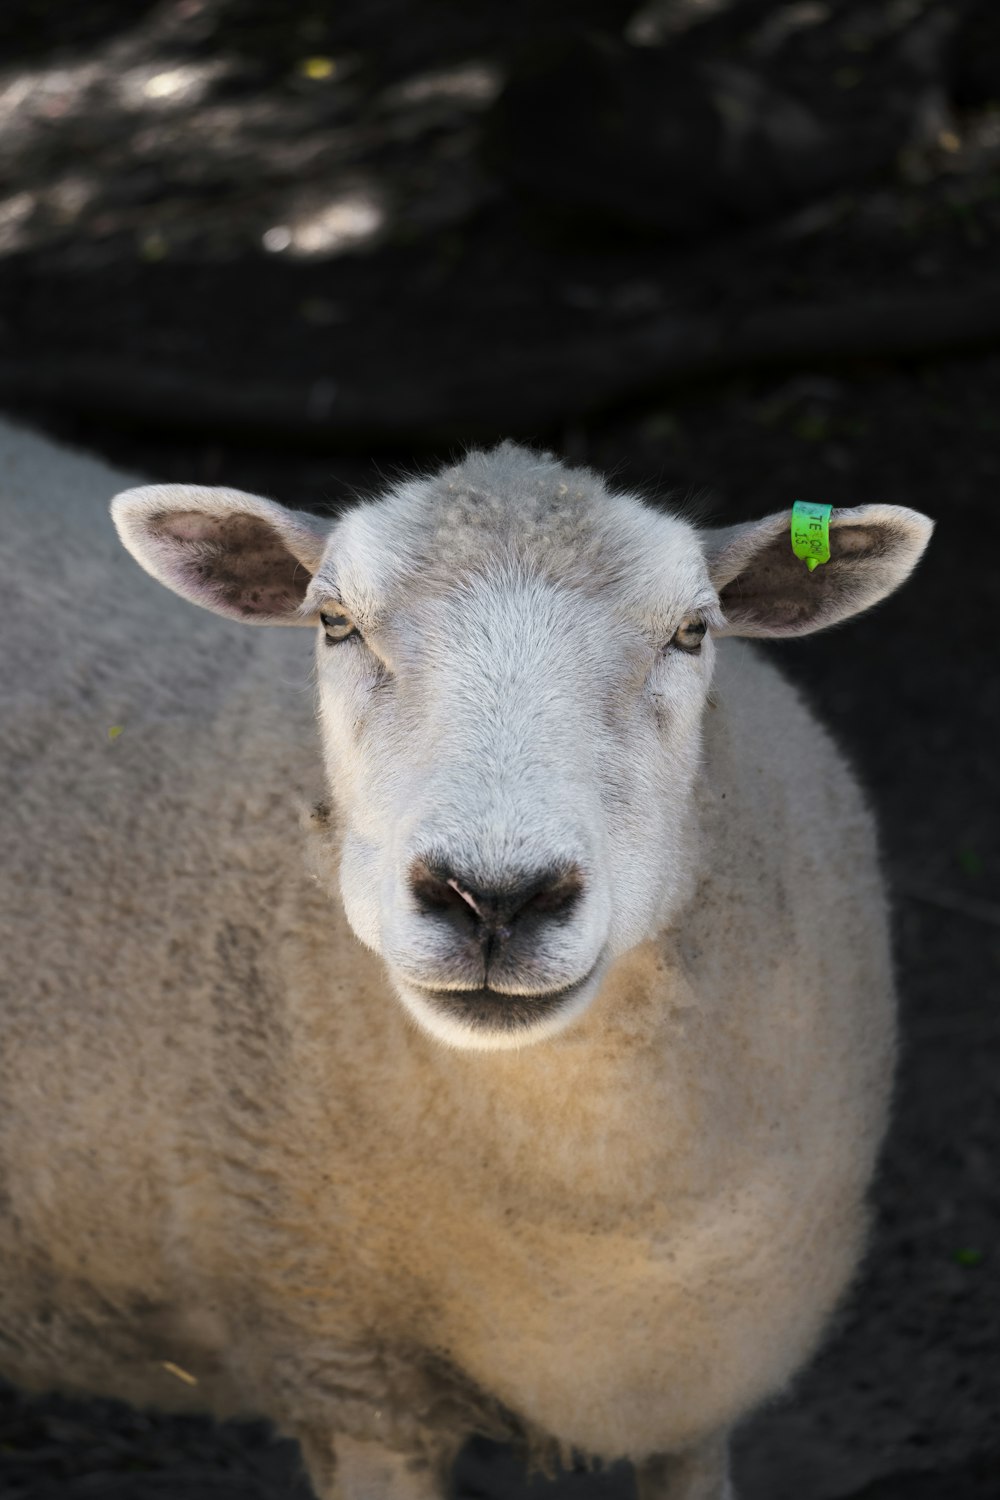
(811, 533)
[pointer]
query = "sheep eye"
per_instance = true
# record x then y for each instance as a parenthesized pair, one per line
(338, 627)
(689, 634)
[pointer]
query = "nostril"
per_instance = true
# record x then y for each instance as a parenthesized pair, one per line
(555, 892)
(436, 889)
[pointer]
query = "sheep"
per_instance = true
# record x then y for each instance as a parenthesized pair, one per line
(516, 1065)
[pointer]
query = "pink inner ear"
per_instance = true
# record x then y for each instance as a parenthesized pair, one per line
(196, 526)
(235, 563)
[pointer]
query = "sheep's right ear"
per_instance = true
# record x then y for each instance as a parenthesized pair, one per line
(243, 557)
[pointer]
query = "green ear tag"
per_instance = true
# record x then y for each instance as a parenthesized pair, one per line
(811, 533)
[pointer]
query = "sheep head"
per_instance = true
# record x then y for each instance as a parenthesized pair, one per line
(513, 665)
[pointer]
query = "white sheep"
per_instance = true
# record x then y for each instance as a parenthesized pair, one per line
(568, 1140)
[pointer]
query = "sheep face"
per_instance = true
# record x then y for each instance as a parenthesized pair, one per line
(513, 666)
(511, 686)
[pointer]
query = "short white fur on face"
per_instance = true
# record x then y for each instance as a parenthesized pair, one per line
(512, 735)
(514, 707)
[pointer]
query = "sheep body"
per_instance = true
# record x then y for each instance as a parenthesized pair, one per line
(227, 1151)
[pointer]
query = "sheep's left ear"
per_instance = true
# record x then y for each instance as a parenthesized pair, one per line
(765, 590)
(236, 554)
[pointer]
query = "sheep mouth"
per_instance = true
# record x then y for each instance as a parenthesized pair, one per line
(495, 1011)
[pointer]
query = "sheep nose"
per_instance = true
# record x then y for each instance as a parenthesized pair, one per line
(493, 912)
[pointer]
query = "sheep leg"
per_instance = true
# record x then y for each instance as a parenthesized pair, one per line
(701, 1473)
(347, 1469)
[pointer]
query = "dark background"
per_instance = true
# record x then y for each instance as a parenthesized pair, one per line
(743, 252)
